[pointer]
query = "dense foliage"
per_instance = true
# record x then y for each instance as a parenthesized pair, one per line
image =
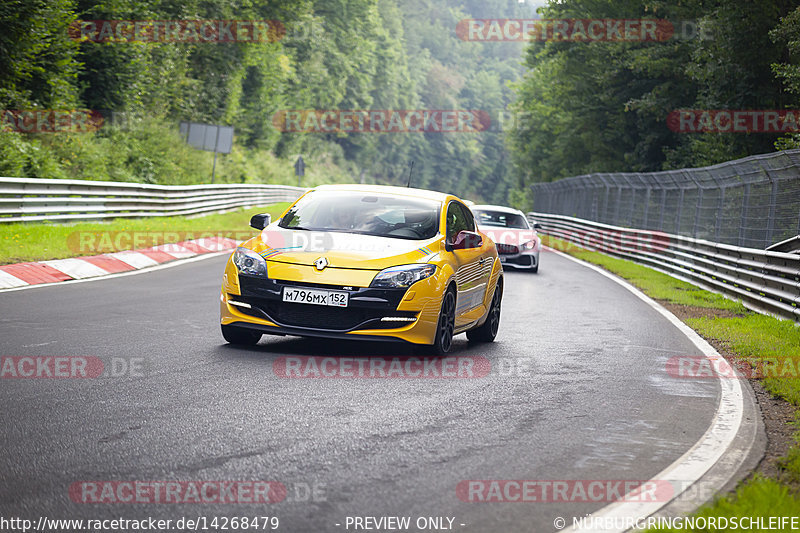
(603, 106)
(336, 54)
(580, 107)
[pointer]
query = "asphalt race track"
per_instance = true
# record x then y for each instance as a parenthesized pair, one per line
(578, 390)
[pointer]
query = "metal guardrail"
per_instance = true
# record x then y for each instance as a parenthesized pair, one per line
(35, 199)
(766, 281)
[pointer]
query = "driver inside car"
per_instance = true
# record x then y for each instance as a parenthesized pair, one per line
(342, 218)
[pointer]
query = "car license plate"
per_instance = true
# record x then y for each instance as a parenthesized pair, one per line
(315, 296)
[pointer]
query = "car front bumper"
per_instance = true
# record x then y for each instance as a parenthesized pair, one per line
(408, 315)
(524, 260)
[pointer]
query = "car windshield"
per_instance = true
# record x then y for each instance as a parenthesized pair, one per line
(363, 213)
(501, 219)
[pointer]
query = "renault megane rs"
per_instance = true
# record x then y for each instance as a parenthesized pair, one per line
(365, 262)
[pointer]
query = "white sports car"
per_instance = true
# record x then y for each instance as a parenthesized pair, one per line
(518, 244)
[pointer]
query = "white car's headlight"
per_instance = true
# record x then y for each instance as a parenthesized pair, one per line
(399, 277)
(249, 262)
(530, 245)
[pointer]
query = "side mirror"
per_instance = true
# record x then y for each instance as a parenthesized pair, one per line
(536, 225)
(467, 239)
(260, 221)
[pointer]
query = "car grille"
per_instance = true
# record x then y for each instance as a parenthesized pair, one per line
(322, 317)
(318, 316)
(507, 249)
(523, 260)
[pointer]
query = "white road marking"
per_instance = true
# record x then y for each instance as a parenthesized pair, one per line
(8, 281)
(76, 268)
(134, 259)
(175, 250)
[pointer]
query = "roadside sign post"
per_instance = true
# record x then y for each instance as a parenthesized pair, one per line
(299, 169)
(216, 148)
(213, 138)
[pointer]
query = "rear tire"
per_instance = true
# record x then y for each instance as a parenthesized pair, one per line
(240, 336)
(443, 342)
(488, 331)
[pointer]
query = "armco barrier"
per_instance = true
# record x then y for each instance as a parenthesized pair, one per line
(764, 280)
(35, 199)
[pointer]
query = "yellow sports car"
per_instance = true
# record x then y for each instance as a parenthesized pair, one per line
(365, 262)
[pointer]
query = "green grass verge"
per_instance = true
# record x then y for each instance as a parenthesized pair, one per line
(759, 338)
(760, 497)
(42, 241)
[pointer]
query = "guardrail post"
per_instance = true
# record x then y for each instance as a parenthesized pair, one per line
(720, 207)
(699, 203)
(720, 204)
(697, 210)
(633, 202)
(743, 217)
(773, 198)
(646, 200)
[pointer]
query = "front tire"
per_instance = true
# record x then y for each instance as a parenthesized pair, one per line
(240, 336)
(488, 331)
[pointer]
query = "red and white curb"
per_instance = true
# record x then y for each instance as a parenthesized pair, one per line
(24, 274)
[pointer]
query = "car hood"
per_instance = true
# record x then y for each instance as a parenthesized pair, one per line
(508, 235)
(344, 250)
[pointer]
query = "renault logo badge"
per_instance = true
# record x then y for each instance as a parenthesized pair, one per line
(321, 263)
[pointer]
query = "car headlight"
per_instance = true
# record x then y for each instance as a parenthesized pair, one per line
(530, 245)
(400, 277)
(249, 262)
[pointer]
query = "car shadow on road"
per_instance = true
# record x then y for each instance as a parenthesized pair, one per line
(309, 346)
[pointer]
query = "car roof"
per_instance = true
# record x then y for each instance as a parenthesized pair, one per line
(386, 189)
(501, 208)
